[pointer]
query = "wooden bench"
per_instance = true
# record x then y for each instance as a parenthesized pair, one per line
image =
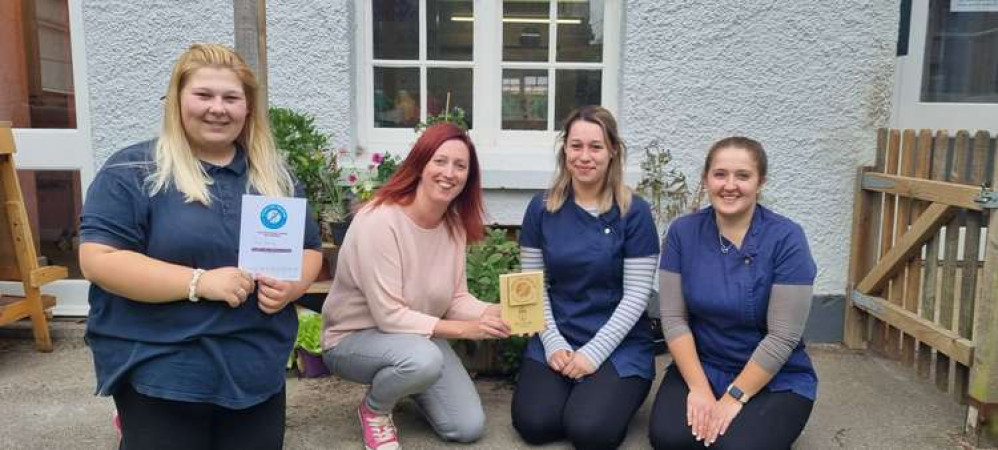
(18, 258)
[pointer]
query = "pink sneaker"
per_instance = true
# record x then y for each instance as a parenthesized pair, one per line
(379, 430)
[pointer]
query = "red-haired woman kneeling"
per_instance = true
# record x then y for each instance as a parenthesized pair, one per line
(400, 292)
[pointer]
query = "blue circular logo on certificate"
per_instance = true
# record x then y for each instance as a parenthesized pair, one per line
(273, 216)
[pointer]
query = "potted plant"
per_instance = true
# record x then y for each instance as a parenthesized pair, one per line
(307, 355)
(495, 255)
(664, 187)
(669, 196)
(317, 168)
(363, 183)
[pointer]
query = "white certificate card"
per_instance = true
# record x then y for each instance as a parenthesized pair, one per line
(271, 236)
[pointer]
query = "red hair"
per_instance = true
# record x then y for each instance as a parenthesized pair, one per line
(466, 212)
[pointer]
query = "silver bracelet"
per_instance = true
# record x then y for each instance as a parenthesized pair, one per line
(192, 286)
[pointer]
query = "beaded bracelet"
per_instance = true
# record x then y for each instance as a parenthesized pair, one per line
(192, 286)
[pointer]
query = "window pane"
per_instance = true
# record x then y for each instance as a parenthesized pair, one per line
(396, 29)
(37, 70)
(525, 30)
(449, 30)
(961, 56)
(580, 31)
(457, 83)
(53, 201)
(576, 88)
(396, 97)
(524, 99)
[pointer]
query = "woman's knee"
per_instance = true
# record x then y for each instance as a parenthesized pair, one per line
(536, 428)
(423, 364)
(468, 427)
(588, 430)
(670, 436)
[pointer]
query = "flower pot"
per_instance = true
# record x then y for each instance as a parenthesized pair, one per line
(481, 357)
(310, 365)
(339, 231)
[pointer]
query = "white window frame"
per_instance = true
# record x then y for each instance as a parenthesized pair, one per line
(510, 159)
(63, 149)
(909, 111)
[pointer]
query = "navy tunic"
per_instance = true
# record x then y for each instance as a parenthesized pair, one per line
(727, 295)
(183, 351)
(584, 263)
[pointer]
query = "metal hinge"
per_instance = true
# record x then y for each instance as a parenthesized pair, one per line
(988, 198)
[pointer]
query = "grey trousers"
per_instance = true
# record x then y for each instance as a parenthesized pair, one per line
(400, 365)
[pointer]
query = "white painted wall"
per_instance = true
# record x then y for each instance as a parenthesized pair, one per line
(131, 47)
(809, 79)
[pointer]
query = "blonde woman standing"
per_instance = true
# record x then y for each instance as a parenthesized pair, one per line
(191, 348)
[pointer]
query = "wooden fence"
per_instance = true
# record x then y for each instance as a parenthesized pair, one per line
(923, 266)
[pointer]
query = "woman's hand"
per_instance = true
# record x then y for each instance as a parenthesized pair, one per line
(275, 294)
(721, 416)
(578, 367)
(226, 284)
(559, 359)
(488, 326)
(493, 310)
(699, 404)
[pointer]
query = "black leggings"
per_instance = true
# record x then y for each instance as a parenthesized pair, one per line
(150, 423)
(770, 420)
(592, 414)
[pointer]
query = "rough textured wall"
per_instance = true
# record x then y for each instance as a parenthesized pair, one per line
(311, 63)
(131, 48)
(811, 80)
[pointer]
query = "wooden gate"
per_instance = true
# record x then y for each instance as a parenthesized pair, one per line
(923, 265)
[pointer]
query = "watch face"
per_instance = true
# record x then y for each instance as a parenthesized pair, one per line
(735, 392)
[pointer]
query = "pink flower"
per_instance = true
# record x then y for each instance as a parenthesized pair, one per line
(377, 158)
(352, 178)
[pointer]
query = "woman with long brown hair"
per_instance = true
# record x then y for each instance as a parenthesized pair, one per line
(584, 377)
(400, 292)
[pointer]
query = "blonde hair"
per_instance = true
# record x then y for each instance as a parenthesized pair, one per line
(176, 163)
(614, 189)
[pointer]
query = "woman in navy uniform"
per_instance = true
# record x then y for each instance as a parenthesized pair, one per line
(192, 349)
(735, 291)
(586, 374)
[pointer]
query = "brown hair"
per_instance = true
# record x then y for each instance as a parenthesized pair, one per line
(614, 189)
(752, 146)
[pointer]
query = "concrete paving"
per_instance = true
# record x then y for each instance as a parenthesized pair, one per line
(864, 402)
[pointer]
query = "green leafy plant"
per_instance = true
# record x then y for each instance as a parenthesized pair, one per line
(664, 187)
(485, 261)
(453, 115)
(309, 332)
(310, 160)
(387, 164)
(363, 183)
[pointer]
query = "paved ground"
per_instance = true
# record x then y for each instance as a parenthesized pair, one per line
(864, 402)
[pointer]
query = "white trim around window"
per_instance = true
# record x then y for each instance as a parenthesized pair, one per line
(511, 159)
(64, 149)
(909, 111)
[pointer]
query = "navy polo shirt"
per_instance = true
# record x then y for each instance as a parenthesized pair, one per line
(584, 263)
(727, 295)
(194, 352)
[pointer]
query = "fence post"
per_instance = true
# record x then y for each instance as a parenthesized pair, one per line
(862, 258)
(982, 414)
